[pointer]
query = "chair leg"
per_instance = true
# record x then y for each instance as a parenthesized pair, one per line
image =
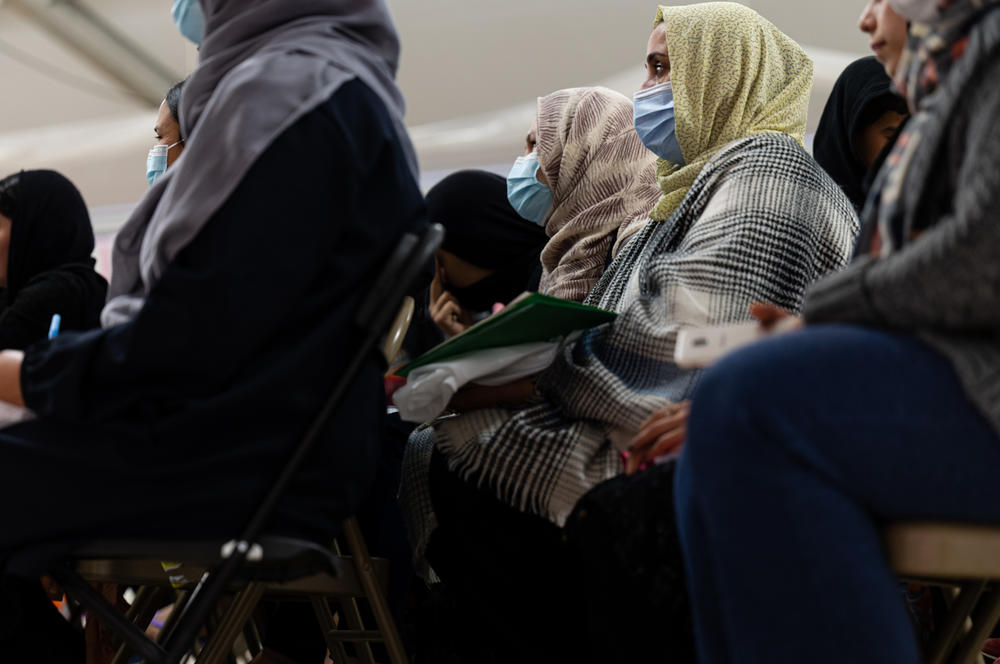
(948, 634)
(147, 602)
(349, 611)
(376, 597)
(252, 637)
(220, 644)
(98, 607)
(326, 622)
(984, 619)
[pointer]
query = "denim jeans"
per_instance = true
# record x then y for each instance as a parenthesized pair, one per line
(798, 448)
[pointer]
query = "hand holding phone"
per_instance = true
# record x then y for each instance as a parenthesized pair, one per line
(698, 347)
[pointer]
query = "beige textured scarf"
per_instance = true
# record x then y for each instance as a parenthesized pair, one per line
(602, 179)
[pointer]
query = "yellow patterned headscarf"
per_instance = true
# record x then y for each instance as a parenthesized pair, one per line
(733, 75)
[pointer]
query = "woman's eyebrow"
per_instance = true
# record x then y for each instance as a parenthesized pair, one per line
(653, 55)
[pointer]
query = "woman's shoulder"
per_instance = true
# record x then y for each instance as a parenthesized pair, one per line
(772, 171)
(762, 158)
(74, 286)
(76, 292)
(769, 145)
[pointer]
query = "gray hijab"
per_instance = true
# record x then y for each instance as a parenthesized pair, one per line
(263, 65)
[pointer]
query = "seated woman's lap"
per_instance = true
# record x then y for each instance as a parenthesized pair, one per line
(879, 414)
(798, 448)
(508, 571)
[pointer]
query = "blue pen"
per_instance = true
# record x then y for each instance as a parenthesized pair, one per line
(54, 325)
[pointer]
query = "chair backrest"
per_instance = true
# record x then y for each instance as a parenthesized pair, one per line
(374, 315)
(397, 332)
(402, 269)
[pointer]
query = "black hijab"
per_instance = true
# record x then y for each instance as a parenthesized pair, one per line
(50, 227)
(862, 94)
(482, 228)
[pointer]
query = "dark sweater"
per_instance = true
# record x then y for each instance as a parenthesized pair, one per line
(75, 292)
(944, 287)
(205, 391)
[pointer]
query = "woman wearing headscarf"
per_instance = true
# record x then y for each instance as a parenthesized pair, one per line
(167, 131)
(861, 116)
(46, 268)
(588, 181)
(882, 407)
(233, 285)
(586, 178)
(744, 214)
(489, 254)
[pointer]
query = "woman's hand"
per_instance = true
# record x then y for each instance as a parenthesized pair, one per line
(445, 310)
(511, 395)
(662, 433)
(10, 377)
(775, 319)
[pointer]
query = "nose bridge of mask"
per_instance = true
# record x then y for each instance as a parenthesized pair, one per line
(527, 165)
(656, 91)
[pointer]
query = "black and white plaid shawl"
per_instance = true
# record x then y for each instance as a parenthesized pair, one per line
(761, 222)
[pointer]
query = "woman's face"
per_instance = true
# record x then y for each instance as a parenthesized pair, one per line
(887, 30)
(168, 133)
(873, 138)
(657, 60)
(5, 225)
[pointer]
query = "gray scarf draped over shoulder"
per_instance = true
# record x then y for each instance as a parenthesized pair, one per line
(264, 64)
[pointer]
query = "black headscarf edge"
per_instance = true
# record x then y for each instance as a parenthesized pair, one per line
(51, 227)
(862, 93)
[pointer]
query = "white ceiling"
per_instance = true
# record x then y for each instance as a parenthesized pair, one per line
(470, 69)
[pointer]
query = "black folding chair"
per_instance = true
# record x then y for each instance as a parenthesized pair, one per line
(253, 563)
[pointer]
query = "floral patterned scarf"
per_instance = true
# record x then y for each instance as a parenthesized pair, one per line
(931, 53)
(934, 48)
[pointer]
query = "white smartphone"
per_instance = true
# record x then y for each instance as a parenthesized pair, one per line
(701, 346)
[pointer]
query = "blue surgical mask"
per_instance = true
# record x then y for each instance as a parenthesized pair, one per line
(190, 19)
(156, 162)
(529, 197)
(653, 115)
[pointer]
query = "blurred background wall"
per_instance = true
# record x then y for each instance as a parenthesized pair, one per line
(80, 77)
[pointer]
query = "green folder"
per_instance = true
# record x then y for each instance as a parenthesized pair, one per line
(529, 318)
